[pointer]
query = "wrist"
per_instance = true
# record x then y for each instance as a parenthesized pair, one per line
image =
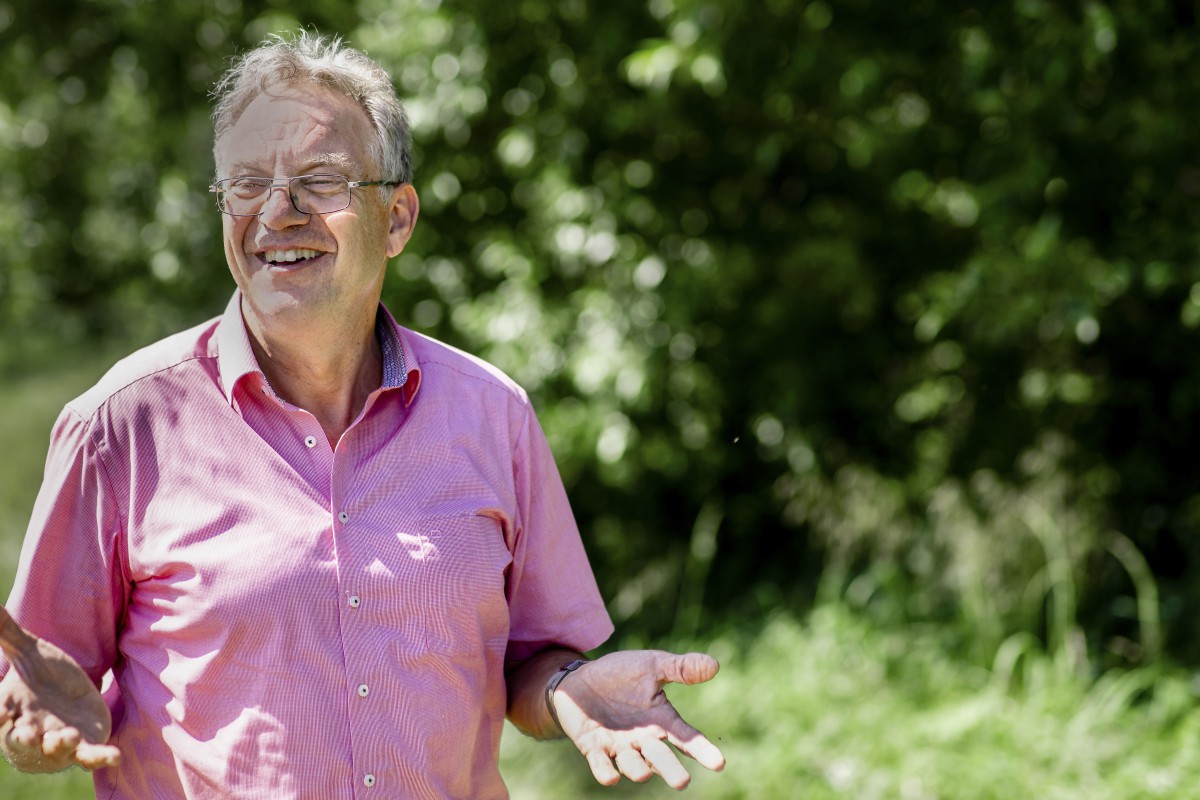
(553, 684)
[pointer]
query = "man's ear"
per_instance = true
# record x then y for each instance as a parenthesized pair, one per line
(402, 216)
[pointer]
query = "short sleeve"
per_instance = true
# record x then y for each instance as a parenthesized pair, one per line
(70, 587)
(552, 594)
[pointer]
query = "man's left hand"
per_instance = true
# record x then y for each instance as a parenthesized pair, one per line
(615, 711)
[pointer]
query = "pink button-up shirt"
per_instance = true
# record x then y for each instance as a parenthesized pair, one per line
(286, 619)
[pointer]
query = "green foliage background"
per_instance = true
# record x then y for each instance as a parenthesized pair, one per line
(887, 305)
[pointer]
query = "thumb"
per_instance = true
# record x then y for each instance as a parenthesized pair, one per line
(687, 668)
(13, 639)
(97, 756)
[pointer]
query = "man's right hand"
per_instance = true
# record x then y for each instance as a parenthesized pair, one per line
(51, 714)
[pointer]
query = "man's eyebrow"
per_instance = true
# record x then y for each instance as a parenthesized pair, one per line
(243, 168)
(337, 161)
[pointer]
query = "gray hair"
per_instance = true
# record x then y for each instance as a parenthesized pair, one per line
(325, 61)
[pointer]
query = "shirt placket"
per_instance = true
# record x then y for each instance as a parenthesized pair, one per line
(364, 691)
(330, 470)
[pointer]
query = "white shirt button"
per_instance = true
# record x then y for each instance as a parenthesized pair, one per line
(310, 441)
(368, 780)
(354, 601)
(363, 690)
(343, 517)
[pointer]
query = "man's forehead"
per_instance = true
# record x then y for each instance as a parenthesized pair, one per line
(300, 126)
(284, 102)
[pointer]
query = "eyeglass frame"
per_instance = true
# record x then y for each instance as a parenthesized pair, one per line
(285, 183)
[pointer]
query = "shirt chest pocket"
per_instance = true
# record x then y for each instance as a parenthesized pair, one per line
(456, 570)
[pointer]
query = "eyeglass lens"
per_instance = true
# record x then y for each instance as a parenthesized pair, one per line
(310, 194)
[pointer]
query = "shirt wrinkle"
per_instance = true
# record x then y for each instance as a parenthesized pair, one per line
(122, 518)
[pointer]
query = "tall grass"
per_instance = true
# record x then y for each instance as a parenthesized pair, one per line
(838, 707)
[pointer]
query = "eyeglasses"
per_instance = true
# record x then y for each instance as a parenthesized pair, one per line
(310, 194)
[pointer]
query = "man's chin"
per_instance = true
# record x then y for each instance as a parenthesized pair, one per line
(284, 303)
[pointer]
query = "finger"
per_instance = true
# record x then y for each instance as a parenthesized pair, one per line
(60, 742)
(96, 756)
(694, 744)
(663, 761)
(24, 737)
(688, 668)
(602, 768)
(634, 767)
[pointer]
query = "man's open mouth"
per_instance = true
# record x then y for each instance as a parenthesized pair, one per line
(289, 257)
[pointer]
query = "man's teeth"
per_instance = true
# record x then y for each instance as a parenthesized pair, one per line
(287, 256)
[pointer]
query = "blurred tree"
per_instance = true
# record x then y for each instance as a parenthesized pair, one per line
(897, 294)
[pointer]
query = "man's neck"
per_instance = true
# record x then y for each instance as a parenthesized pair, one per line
(328, 373)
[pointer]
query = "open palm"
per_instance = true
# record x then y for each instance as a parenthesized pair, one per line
(616, 713)
(54, 714)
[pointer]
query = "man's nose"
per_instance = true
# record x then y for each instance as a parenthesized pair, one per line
(279, 211)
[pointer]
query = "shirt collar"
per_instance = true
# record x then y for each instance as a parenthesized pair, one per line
(400, 367)
(236, 358)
